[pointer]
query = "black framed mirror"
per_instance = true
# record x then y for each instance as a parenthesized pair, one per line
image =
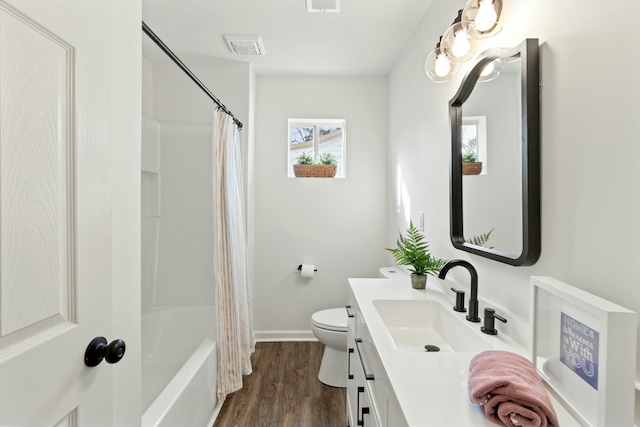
(496, 122)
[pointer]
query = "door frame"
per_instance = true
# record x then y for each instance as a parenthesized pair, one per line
(126, 98)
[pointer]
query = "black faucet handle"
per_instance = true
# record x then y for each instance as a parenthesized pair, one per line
(459, 301)
(500, 318)
(489, 322)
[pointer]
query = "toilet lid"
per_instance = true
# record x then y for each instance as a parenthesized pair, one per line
(334, 319)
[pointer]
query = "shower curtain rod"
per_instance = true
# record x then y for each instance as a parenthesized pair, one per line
(184, 68)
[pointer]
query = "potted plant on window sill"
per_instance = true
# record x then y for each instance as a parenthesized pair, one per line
(470, 164)
(413, 250)
(325, 167)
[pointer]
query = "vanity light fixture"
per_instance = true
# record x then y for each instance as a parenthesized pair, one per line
(457, 42)
(438, 67)
(479, 19)
(483, 17)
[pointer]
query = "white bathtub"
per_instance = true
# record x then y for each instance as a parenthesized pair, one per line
(178, 367)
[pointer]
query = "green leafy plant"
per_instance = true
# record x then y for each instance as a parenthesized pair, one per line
(480, 239)
(327, 159)
(304, 159)
(413, 250)
(324, 159)
(469, 156)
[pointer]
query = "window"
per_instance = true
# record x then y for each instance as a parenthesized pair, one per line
(474, 138)
(314, 137)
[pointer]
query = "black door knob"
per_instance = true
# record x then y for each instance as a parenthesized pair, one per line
(98, 349)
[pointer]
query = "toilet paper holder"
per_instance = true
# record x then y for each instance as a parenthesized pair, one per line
(300, 268)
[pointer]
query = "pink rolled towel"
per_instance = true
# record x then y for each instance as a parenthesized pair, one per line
(510, 390)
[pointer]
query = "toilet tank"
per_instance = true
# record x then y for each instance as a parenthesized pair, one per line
(392, 273)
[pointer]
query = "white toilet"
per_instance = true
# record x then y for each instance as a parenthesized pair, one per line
(330, 328)
(393, 273)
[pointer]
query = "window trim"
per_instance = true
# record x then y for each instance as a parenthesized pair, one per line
(316, 124)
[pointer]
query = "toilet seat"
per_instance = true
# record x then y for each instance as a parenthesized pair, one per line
(332, 319)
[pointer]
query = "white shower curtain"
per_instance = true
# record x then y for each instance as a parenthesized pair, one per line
(235, 332)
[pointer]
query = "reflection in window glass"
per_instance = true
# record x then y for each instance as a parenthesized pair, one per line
(470, 139)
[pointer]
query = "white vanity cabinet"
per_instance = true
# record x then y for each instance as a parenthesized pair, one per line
(395, 383)
(352, 394)
(370, 400)
(395, 417)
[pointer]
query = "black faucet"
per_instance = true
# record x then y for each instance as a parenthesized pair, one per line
(489, 321)
(473, 299)
(459, 301)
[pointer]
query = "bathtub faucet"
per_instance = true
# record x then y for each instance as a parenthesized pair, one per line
(473, 298)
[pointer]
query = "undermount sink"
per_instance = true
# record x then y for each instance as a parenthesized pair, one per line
(414, 324)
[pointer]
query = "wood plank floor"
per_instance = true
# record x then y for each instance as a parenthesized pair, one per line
(284, 391)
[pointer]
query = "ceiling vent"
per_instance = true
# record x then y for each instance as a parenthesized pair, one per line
(245, 44)
(323, 6)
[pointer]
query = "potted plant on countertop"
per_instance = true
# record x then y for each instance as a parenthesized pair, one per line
(325, 167)
(413, 250)
(470, 163)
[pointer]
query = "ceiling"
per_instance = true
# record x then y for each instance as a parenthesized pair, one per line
(364, 39)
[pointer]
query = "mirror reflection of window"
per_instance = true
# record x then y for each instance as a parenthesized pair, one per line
(507, 201)
(474, 139)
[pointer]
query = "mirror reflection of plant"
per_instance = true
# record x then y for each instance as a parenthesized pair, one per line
(480, 239)
(469, 156)
(413, 250)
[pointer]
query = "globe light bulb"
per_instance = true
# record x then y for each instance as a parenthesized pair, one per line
(491, 70)
(461, 44)
(486, 17)
(442, 66)
(488, 69)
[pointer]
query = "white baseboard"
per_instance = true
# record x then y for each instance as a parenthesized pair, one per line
(276, 336)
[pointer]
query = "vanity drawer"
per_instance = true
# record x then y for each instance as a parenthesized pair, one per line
(376, 378)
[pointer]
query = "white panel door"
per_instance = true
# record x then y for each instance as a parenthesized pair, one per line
(57, 222)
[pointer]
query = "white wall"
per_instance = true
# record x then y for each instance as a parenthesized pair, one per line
(150, 191)
(127, 86)
(589, 147)
(177, 218)
(185, 252)
(337, 224)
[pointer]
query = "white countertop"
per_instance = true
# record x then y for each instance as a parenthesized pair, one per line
(431, 387)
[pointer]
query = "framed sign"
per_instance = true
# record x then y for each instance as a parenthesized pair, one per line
(584, 348)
